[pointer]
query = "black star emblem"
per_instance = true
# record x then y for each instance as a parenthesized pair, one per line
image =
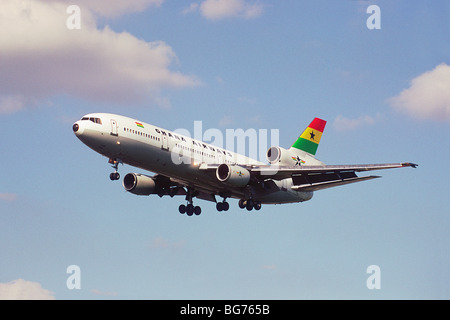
(298, 163)
(312, 135)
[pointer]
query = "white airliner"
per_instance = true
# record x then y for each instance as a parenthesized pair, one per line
(194, 169)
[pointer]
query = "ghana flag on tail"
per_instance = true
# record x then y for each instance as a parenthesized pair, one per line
(310, 138)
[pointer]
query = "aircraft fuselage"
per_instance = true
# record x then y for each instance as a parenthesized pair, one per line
(175, 156)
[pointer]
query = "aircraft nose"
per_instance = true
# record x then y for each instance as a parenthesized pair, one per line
(78, 128)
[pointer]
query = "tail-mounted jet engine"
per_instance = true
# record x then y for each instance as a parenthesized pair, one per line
(233, 175)
(279, 155)
(139, 184)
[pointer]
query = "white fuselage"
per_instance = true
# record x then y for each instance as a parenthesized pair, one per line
(173, 155)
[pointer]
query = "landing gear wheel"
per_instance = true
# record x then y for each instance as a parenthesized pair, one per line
(114, 176)
(197, 210)
(242, 203)
(182, 209)
(226, 206)
(249, 204)
(257, 205)
(189, 209)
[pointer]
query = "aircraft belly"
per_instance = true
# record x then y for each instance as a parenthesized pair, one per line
(279, 197)
(276, 192)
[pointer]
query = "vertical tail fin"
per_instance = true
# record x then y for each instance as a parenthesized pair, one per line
(309, 140)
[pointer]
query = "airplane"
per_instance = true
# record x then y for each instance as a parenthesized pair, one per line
(195, 169)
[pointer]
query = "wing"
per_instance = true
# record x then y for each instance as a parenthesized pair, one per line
(281, 172)
(313, 178)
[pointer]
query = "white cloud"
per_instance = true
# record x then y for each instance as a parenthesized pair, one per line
(24, 290)
(11, 104)
(193, 7)
(270, 267)
(428, 97)
(8, 196)
(226, 121)
(223, 9)
(342, 123)
(41, 57)
(112, 9)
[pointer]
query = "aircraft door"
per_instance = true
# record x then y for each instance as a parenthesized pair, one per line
(114, 128)
(164, 141)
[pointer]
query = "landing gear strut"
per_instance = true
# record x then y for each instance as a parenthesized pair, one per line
(115, 164)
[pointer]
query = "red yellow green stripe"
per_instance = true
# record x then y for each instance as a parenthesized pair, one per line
(140, 125)
(310, 138)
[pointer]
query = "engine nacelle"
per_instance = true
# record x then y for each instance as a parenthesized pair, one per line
(279, 155)
(139, 184)
(233, 175)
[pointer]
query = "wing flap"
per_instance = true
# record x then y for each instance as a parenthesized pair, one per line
(328, 184)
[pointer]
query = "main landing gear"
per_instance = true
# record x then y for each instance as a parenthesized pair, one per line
(222, 206)
(115, 164)
(189, 209)
(249, 204)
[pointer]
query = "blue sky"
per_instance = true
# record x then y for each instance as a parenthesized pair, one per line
(235, 64)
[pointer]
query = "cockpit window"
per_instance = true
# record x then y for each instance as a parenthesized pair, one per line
(94, 120)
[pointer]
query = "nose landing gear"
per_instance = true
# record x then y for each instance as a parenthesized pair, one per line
(115, 164)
